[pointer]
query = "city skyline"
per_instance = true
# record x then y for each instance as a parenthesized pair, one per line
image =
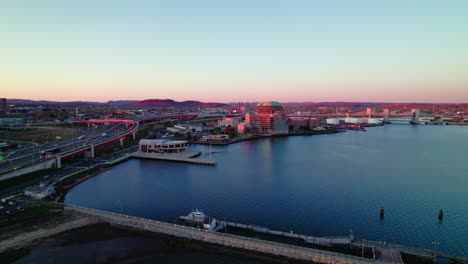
(209, 51)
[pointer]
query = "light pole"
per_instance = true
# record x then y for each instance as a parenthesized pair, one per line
(33, 152)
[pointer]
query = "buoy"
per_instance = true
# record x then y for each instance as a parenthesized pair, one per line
(382, 212)
(441, 215)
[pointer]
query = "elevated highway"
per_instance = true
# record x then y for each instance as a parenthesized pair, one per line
(116, 130)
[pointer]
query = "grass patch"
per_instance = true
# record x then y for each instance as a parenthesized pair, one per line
(33, 212)
(39, 135)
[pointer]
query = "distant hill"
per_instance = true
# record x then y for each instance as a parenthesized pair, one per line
(121, 102)
(149, 102)
(45, 102)
(172, 103)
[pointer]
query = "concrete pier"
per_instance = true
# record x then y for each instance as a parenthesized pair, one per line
(383, 253)
(251, 244)
(178, 157)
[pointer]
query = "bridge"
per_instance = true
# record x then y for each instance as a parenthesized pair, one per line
(37, 159)
(163, 117)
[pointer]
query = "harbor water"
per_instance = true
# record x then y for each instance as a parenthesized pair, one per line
(323, 185)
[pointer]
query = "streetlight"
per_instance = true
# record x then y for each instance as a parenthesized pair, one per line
(33, 152)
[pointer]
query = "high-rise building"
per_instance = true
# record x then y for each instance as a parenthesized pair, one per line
(269, 107)
(3, 103)
(271, 118)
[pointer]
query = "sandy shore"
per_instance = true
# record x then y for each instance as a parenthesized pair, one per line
(104, 243)
(17, 239)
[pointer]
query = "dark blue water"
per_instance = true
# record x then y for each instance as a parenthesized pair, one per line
(317, 185)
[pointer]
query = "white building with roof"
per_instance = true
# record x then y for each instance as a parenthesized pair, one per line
(39, 191)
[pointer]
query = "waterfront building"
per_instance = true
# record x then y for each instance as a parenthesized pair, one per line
(269, 107)
(297, 122)
(215, 138)
(333, 121)
(271, 118)
(250, 118)
(39, 191)
(229, 121)
(243, 128)
(162, 146)
(353, 120)
(374, 120)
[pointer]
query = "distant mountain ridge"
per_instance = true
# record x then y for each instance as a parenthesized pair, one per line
(148, 102)
(172, 103)
(46, 102)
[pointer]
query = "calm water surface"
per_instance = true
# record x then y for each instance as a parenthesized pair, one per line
(316, 185)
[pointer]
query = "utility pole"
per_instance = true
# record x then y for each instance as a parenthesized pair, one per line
(33, 152)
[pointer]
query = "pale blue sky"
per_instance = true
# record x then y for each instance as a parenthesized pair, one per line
(235, 50)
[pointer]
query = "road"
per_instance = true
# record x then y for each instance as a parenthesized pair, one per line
(98, 135)
(68, 169)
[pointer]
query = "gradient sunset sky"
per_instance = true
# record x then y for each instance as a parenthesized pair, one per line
(242, 50)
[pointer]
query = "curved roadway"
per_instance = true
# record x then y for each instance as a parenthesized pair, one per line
(119, 129)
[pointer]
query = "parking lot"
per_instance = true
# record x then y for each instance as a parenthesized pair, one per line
(13, 206)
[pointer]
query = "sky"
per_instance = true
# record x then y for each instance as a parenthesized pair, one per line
(229, 51)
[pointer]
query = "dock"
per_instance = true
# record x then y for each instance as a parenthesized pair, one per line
(323, 241)
(176, 157)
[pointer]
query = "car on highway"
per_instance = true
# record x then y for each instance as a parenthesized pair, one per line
(11, 154)
(1, 207)
(11, 202)
(9, 212)
(19, 208)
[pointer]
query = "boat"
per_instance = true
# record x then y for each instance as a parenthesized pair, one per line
(197, 218)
